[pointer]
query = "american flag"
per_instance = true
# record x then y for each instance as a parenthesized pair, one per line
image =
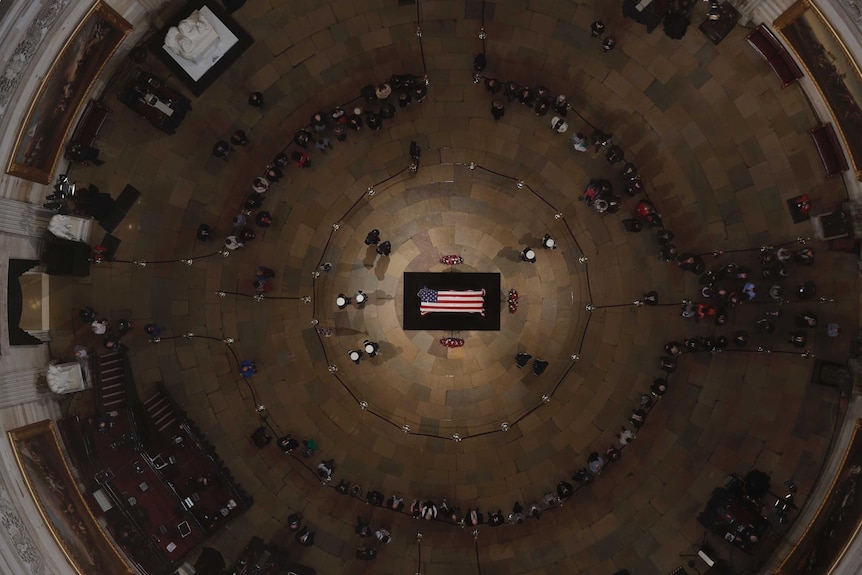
(467, 301)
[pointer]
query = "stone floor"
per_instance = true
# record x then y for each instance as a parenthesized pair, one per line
(721, 148)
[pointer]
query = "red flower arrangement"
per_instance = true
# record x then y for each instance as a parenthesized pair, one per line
(452, 260)
(513, 301)
(98, 254)
(452, 342)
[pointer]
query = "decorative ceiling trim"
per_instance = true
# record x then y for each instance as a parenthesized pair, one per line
(17, 534)
(18, 63)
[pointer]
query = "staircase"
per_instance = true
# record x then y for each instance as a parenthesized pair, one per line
(111, 392)
(160, 410)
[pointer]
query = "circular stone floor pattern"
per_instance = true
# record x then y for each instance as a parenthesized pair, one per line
(416, 381)
(709, 129)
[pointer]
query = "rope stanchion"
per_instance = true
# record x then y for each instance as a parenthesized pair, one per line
(229, 341)
(419, 37)
(418, 553)
(512, 419)
(635, 303)
(475, 535)
(406, 428)
(260, 296)
(144, 263)
(716, 252)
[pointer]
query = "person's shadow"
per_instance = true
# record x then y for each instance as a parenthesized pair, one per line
(381, 267)
(387, 350)
(370, 256)
(530, 240)
(511, 254)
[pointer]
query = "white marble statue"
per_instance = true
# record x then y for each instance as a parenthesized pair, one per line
(193, 38)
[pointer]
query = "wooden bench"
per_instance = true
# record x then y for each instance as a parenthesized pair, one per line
(90, 124)
(80, 148)
(829, 149)
(770, 49)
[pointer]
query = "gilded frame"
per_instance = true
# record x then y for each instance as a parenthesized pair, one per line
(812, 553)
(43, 132)
(829, 64)
(55, 492)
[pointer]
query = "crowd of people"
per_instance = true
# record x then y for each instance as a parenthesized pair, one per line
(442, 510)
(375, 105)
(111, 332)
(468, 514)
(600, 193)
(722, 289)
(726, 287)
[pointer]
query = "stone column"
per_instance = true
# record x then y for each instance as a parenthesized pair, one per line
(745, 8)
(760, 11)
(158, 11)
(23, 386)
(23, 219)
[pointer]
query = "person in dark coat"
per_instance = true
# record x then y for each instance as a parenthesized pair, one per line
(420, 90)
(253, 201)
(493, 85)
(373, 120)
(798, 339)
(632, 225)
(239, 138)
(498, 109)
(318, 122)
(302, 137)
(222, 150)
(387, 111)
(305, 537)
(384, 249)
(373, 237)
(263, 219)
(539, 366)
(294, 521)
(255, 100)
(204, 233)
(87, 314)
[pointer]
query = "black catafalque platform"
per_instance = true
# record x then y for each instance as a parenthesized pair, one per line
(452, 280)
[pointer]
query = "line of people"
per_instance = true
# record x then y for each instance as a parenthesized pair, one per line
(430, 510)
(400, 88)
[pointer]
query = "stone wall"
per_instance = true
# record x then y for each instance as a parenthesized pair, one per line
(33, 32)
(33, 35)
(845, 16)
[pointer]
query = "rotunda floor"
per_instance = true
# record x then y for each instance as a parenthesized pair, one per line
(720, 147)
